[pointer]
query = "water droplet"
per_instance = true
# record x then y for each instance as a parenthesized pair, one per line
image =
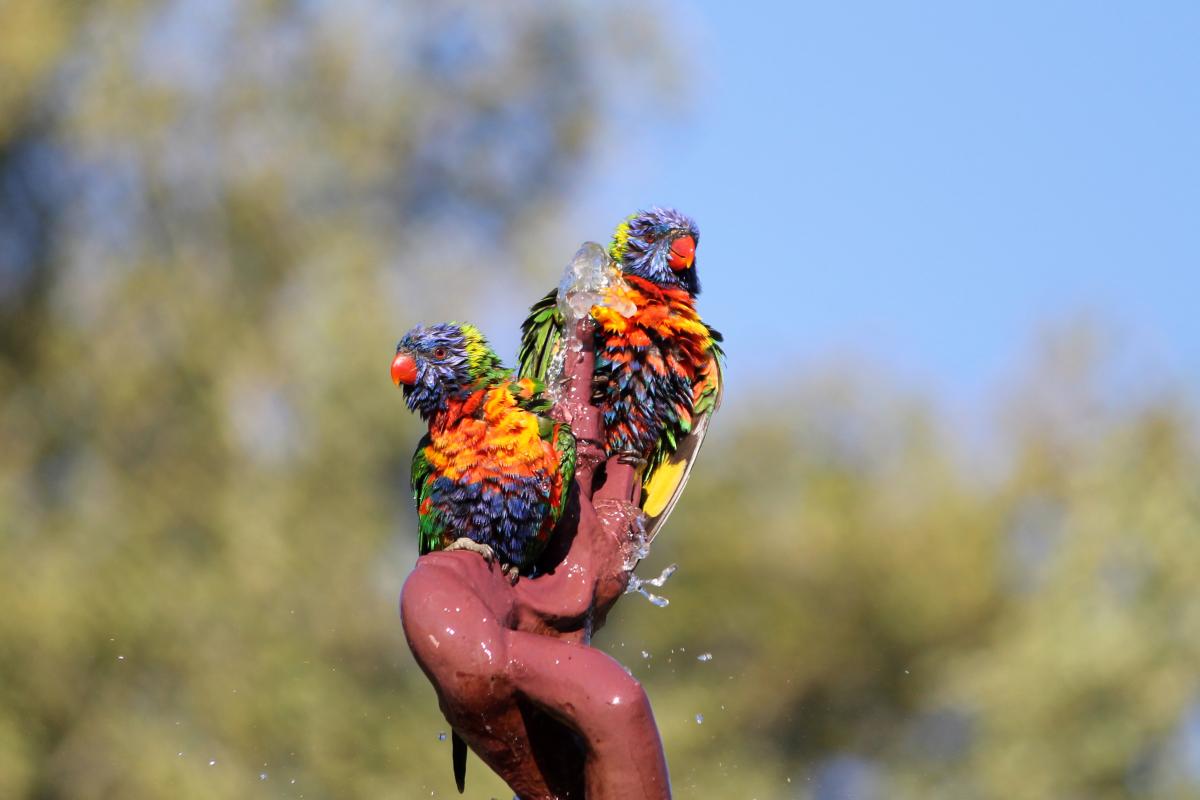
(442, 736)
(699, 719)
(638, 585)
(704, 657)
(293, 780)
(645, 654)
(262, 776)
(120, 658)
(212, 762)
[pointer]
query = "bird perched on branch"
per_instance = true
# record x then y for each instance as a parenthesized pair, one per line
(658, 369)
(492, 474)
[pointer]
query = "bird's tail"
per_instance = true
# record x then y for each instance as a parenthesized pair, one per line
(459, 755)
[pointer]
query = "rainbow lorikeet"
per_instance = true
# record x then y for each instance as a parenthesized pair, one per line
(492, 474)
(658, 365)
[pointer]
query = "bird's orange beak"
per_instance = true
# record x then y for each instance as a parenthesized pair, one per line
(683, 253)
(404, 369)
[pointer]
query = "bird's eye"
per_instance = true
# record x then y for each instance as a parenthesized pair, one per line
(439, 352)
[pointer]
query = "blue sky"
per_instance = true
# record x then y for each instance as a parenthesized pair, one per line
(929, 184)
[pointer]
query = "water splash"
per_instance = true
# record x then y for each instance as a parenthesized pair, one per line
(699, 719)
(704, 657)
(555, 389)
(592, 279)
(638, 585)
(641, 547)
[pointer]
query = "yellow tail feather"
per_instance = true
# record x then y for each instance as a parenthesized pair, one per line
(659, 490)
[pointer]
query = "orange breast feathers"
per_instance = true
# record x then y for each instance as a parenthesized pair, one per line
(487, 436)
(667, 313)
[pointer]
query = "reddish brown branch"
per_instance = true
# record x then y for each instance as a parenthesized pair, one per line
(511, 665)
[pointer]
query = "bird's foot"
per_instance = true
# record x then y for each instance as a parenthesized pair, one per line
(634, 460)
(511, 572)
(463, 543)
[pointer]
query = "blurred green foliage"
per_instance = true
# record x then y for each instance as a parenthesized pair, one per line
(216, 218)
(890, 616)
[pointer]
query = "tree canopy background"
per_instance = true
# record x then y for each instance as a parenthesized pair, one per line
(216, 218)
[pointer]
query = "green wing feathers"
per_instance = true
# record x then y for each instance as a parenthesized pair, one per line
(541, 334)
(564, 445)
(560, 437)
(709, 398)
(429, 523)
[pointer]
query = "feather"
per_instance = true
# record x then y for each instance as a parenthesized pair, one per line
(459, 758)
(486, 469)
(657, 375)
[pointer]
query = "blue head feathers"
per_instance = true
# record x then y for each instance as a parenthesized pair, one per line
(658, 245)
(440, 362)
